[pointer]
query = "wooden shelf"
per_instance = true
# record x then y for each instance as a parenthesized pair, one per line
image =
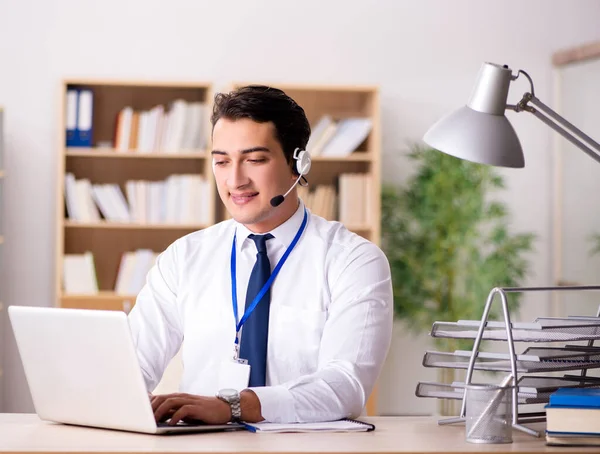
(199, 154)
(132, 154)
(1, 239)
(359, 228)
(354, 157)
(139, 83)
(2, 174)
(130, 226)
(103, 295)
(105, 300)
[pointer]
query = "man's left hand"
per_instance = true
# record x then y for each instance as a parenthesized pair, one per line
(190, 408)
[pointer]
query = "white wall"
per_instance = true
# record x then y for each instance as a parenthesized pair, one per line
(423, 54)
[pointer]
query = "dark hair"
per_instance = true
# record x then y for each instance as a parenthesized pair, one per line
(263, 104)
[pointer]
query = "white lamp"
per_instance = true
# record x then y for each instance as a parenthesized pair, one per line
(480, 132)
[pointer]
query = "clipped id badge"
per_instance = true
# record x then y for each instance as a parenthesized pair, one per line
(234, 373)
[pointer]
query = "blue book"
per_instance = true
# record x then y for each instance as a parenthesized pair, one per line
(576, 397)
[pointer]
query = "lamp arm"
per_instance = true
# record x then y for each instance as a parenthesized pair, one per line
(565, 128)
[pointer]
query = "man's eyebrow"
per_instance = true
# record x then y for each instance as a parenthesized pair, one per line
(247, 150)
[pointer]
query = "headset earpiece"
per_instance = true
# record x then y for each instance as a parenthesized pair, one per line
(303, 161)
(301, 168)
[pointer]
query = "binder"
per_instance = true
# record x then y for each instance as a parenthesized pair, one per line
(85, 107)
(71, 117)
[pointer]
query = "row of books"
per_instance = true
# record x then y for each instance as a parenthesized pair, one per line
(332, 137)
(179, 126)
(183, 126)
(180, 199)
(79, 272)
(351, 205)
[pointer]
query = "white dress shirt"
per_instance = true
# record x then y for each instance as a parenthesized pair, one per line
(330, 319)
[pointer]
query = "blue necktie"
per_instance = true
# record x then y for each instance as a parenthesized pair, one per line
(255, 332)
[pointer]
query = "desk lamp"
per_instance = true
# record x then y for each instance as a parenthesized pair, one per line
(480, 132)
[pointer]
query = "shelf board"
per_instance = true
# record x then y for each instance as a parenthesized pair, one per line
(140, 83)
(1, 239)
(103, 300)
(359, 227)
(102, 295)
(354, 157)
(130, 226)
(192, 154)
(77, 152)
(2, 173)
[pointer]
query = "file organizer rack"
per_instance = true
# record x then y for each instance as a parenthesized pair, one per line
(567, 329)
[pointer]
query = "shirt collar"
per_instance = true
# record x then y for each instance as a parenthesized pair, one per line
(283, 234)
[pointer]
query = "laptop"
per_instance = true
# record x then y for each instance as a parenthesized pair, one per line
(82, 369)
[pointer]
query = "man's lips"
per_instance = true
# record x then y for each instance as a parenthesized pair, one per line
(242, 199)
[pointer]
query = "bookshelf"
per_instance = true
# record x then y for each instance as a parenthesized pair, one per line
(106, 162)
(107, 159)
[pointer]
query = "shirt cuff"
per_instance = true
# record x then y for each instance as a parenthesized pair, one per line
(276, 404)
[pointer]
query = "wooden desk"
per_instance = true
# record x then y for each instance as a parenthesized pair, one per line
(26, 433)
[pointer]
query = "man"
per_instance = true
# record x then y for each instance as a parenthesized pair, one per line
(311, 345)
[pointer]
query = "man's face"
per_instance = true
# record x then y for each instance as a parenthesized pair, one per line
(250, 169)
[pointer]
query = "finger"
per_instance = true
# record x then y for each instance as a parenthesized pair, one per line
(169, 405)
(157, 401)
(186, 412)
(167, 416)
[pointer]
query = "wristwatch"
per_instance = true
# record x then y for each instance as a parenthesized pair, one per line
(232, 397)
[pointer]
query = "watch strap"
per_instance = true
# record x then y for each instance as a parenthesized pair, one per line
(236, 409)
(234, 402)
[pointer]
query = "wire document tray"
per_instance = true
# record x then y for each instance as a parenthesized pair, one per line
(544, 360)
(458, 361)
(456, 391)
(579, 330)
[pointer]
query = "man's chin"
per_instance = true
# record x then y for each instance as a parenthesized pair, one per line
(246, 218)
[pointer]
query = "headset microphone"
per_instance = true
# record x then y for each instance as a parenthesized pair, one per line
(302, 167)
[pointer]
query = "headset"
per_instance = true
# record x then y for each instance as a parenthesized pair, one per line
(302, 167)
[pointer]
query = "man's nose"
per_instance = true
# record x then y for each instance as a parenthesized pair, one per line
(237, 176)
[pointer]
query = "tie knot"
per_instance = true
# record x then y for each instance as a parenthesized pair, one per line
(261, 242)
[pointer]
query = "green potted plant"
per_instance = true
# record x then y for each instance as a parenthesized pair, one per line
(448, 244)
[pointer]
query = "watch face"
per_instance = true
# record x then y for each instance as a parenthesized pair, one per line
(228, 393)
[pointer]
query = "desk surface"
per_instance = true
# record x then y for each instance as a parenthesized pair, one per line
(26, 433)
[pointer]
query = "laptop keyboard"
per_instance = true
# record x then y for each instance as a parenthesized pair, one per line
(180, 424)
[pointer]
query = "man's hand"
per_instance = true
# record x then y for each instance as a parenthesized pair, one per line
(190, 408)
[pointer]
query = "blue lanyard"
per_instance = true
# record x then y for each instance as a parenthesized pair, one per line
(265, 287)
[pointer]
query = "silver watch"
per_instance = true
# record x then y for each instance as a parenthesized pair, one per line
(232, 397)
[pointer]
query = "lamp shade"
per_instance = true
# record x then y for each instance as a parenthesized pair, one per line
(479, 131)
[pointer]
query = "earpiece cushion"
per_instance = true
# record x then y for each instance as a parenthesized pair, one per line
(303, 162)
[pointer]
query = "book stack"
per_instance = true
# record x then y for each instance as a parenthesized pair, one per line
(322, 200)
(180, 199)
(133, 269)
(79, 274)
(180, 127)
(573, 417)
(338, 138)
